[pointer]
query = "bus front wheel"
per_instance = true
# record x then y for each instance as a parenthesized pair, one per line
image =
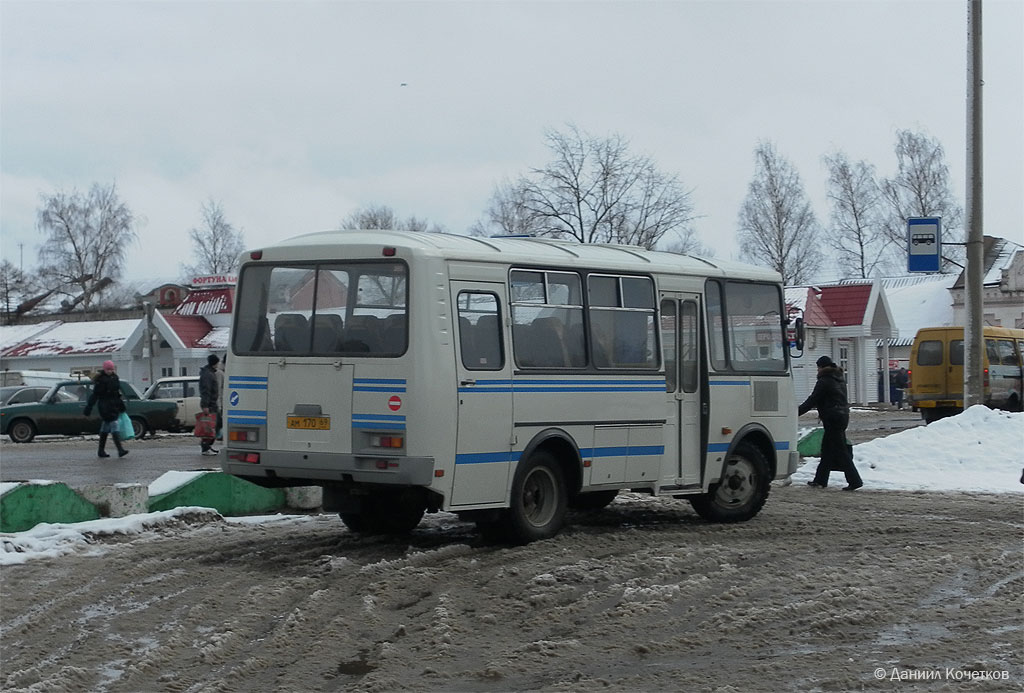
(741, 492)
(539, 500)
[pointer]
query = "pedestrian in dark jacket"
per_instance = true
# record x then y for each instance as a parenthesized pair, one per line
(209, 399)
(829, 397)
(106, 397)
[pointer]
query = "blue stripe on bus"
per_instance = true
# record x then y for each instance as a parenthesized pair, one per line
(378, 425)
(379, 381)
(724, 447)
(247, 386)
(728, 382)
(380, 417)
(364, 388)
(485, 457)
(247, 378)
(249, 420)
(619, 451)
(247, 412)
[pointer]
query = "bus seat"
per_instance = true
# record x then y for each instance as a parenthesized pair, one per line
(467, 342)
(523, 344)
(393, 338)
(253, 334)
(488, 341)
(291, 332)
(327, 329)
(547, 340)
(362, 333)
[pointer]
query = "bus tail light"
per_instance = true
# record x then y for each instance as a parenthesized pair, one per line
(387, 441)
(247, 457)
(910, 379)
(243, 435)
(256, 255)
(984, 382)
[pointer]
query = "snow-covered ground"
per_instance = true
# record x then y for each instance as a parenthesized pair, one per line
(977, 451)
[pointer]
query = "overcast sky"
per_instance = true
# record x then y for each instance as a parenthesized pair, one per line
(294, 114)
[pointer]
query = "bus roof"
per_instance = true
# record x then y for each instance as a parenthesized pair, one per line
(516, 251)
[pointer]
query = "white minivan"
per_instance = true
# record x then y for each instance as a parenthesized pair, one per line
(184, 390)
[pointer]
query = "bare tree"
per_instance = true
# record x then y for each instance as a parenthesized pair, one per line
(216, 244)
(920, 188)
(86, 235)
(776, 224)
(383, 217)
(594, 191)
(857, 234)
(19, 293)
(507, 214)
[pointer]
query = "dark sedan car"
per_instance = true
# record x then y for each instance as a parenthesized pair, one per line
(62, 411)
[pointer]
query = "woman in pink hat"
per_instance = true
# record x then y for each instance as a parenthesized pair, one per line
(106, 397)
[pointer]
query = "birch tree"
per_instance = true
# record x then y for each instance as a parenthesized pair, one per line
(594, 190)
(86, 239)
(777, 226)
(384, 218)
(216, 243)
(857, 233)
(921, 187)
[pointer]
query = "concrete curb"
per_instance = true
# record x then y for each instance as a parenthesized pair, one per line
(23, 505)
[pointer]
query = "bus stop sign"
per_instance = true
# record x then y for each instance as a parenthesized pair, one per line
(924, 244)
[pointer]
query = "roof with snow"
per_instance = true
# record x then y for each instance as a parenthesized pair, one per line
(99, 337)
(207, 302)
(997, 256)
(11, 335)
(191, 329)
(919, 301)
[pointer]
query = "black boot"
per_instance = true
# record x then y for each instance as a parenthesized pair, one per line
(121, 452)
(103, 444)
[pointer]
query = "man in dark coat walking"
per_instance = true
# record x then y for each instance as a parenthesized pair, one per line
(209, 398)
(829, 396)
(106, 397)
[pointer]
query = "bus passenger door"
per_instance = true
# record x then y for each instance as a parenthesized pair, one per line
(483, 447)
(681, 342)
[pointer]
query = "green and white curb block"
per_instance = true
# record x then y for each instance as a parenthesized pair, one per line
(26, 504)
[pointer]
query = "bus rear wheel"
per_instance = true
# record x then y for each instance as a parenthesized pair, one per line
(539, 500)
(741, 492)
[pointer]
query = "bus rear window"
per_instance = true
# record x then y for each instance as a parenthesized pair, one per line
(322, 309)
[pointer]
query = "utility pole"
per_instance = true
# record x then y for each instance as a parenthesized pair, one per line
(974, 341)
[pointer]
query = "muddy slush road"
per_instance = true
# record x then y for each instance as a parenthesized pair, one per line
(819, 592)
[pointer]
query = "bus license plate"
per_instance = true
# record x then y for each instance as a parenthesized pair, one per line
(310, 423)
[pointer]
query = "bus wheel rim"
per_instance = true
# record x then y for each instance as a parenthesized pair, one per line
(539, 497)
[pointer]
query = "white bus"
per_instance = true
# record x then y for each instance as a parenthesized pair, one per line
(505, 379)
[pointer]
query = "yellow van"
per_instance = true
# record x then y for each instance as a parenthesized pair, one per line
(937, 370)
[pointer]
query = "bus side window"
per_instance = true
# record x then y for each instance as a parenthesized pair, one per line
(480, 341)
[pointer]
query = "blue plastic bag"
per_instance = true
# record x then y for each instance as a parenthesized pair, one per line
(124, 426)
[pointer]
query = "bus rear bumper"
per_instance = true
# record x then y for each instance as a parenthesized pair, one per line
(283, 468)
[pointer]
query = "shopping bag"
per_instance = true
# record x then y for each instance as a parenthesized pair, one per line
(124, 427)
(205, 426)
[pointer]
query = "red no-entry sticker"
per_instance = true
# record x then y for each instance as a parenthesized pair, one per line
(395, 403)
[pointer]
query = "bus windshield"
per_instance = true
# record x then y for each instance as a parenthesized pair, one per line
(322, 309)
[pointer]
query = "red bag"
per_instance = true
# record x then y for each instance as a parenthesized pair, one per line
(206, 426)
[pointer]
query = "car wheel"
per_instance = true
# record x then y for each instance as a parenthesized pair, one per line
(138, 427)
(22, 431)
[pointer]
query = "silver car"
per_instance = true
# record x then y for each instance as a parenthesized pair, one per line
(183, 390)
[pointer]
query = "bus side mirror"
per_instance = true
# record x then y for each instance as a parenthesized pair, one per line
(795, 338)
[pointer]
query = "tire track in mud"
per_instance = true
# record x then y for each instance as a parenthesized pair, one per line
(815, 593)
